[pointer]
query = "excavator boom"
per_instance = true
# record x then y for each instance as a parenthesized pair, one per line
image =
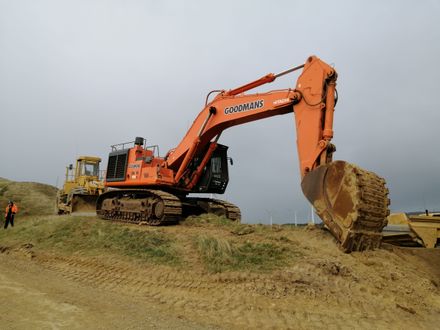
(312, 101)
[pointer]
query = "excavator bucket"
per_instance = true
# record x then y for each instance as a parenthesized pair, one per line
(84, 204)
(351, 201)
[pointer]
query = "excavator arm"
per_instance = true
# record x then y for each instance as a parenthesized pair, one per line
(352, 202)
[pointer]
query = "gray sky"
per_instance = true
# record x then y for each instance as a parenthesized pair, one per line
(78, 76)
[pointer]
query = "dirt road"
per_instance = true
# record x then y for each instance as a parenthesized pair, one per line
(385, 289)
(32, 296)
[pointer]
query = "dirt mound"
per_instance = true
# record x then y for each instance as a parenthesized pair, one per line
(32, 198)
(222, 275)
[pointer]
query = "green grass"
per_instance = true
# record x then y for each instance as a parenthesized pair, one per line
(246, 248)
(221, 255)
(212, 220)
(207, 219)
(92, 236)
(233, 251)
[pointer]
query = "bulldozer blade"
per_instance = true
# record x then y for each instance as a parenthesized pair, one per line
(352, 202)
(84, 205)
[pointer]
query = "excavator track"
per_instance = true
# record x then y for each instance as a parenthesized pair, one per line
(157, 207)
(351, 201)
(141, 206)
(215, 206)
(232, 211)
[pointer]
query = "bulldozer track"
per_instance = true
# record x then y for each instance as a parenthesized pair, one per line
(365, 233)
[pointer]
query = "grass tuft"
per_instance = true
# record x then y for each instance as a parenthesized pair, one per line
(207, 218)
(221, 255)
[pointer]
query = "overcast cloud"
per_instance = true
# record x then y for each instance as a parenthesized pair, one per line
(78, 76)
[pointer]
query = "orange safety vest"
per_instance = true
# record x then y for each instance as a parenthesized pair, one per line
(13, 210)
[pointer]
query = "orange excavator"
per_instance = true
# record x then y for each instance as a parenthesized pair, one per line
(146, 188)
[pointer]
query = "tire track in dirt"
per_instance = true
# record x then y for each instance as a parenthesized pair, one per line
(323, 287)
(240, 299)
(35, 297)
(181, 291)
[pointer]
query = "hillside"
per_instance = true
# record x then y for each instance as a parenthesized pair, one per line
(216, 275)
(205, 273)
(32, 198)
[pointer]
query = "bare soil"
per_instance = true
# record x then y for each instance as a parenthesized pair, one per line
(390, 288)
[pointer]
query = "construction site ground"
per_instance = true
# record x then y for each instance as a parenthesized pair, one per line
(308, 283)
(81, 272)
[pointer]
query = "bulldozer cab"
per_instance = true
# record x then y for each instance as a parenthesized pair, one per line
(87, 169)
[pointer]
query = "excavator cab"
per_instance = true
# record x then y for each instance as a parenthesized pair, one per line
(215, 176)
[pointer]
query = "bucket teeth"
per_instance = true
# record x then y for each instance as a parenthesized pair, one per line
(351, 201)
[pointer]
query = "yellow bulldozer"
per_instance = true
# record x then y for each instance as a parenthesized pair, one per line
(82, 186)
(413, 230)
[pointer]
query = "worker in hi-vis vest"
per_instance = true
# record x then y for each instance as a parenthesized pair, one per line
(10, 212)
